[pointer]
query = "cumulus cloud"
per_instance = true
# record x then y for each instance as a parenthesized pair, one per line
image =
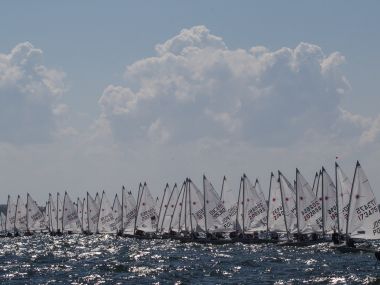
(195, 87)
(28, 94)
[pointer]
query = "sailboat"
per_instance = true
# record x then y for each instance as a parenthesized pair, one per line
(35, 219)
(70, 218)
(118, 214)
(216, 213)
(315, 183)
(229, 199)
(2, 223)
(343, 192)
(276, 219)
(20, 217)
(363, 222)
(129, 212)
(253, 209)
(309, 207)
(288, 198)
(92, 214)
(107, 223)
(147, 217)
(11, 216)
(174, 211)
(329, 204)
(162, 208)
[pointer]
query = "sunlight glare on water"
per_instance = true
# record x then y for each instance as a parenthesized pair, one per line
(74, 259)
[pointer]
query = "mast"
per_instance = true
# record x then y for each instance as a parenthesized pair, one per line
(6, 218)
(27, 212)
(243, 203)
(101, 204)
(47, 214)
(337, 196)
(122, 208)
(185, 197)
(88, 217)
(162, 202)
(166, 208)
(315, 179)
(14, 228)
(190, 211)
(50, 217)
(137, 206)
(323, 202)
(318, 181)
(283, 206)
(269, 199)
(80, 218)
(204, 203)
(238, 206)
(181, 210)
(297, 194)
(224, 180)
(57, 212)
(63, 209)
(176, 203)
(349, 204)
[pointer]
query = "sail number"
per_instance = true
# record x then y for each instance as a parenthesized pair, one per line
(367, 210)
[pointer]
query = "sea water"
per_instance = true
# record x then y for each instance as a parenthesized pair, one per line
(106, 259)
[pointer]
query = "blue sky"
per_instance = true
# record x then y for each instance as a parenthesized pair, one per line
(89, 47)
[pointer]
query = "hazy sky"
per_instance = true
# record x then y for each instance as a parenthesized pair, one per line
(97, 94)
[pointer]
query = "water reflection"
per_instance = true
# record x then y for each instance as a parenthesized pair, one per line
(75, 259)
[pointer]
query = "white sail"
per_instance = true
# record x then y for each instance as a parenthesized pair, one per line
(197, 211)
(47, 215)
(229, 199)
(20, 222)
(176, 207)
(364, 215)
(255, 208)
(288, 197)
(70, 219)
(183, 211)
(53, 224)
(343, 187)
(330, 216)
(216, 212)
(60, 212)
(259, 190)
(107, 221)
(117, 212)
(129, 211)
(276, 218)
(85, 216)
(168, 210)
(162, 206)
(11, 215)
(80, 206)
(2, 222)
(92, 214)
(35, 217)
(97, 200)
(147, 217)
(309, 207)
(315, 184)
(240, 211)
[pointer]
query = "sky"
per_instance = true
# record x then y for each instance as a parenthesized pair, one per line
(99, 94)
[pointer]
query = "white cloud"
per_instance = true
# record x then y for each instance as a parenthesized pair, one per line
(372, 133)
(196, 37)
(28, 94)
(196, 87)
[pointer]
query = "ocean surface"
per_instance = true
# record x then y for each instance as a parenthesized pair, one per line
(98, 259)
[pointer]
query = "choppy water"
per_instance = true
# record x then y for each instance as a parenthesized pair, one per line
(108, 260)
